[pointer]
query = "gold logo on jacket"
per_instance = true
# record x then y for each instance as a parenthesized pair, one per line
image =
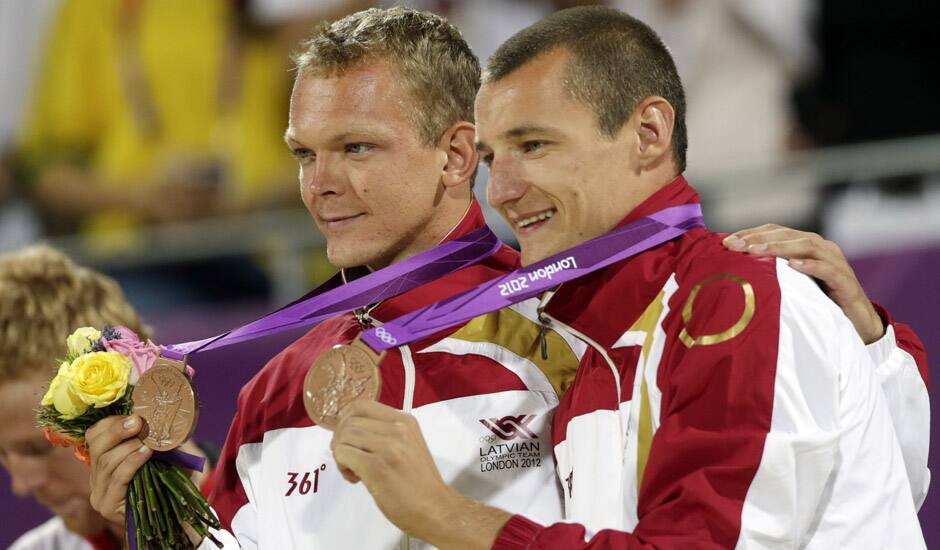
(736, 328)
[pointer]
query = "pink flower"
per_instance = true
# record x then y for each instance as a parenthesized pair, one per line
(142, 355)
(126, 333)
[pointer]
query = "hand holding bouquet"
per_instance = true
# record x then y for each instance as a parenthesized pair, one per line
(97, 379)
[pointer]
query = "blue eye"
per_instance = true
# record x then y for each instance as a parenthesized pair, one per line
(532, 146)
(358, 148)
(301, 153)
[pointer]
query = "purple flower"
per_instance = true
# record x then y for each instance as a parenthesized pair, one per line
(109, 333)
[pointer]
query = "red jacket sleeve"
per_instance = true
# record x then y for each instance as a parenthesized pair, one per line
(717, 403)
(908, 341)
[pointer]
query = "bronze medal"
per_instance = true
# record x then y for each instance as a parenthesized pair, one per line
(166, 401)
(340, 376)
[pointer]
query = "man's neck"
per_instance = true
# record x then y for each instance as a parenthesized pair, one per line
(436, 231)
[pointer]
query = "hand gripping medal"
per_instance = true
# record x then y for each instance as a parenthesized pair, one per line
(166, 401)
(345, 374)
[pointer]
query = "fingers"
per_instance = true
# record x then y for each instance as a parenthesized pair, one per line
(116, 455)
(109, 491)
(840, 283)
(370, 435)
(745, 233)
(774, 240)
(350, 461)
(802, 248)
(109, 433)
(371, 409)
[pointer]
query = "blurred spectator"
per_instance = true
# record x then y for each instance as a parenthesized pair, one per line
(154, 112)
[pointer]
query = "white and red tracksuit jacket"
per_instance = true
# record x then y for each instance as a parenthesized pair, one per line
(724, 402)
(481, 393)
(483, 397)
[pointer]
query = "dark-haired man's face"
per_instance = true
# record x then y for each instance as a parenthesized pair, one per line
(369, 182)
(553, 176)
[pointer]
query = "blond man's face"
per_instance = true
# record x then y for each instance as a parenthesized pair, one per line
(369, 182)
(50, 475)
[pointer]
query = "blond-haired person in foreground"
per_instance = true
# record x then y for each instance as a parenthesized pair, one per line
(43, 297)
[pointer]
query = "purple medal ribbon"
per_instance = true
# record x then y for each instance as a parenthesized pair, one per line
(331, 299)
(537, 278)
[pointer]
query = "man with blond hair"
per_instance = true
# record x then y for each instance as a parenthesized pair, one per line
(381, 126)
(43, 298)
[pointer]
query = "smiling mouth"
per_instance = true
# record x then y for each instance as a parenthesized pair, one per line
(537, 218)
(339, 222)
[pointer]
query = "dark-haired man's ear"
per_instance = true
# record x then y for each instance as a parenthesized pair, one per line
(655, 120)
(459, 141)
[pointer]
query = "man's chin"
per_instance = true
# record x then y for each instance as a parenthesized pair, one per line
(528, 259)
(82, 519)
(349, 257)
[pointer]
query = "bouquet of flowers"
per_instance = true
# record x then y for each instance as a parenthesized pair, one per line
(96, 380)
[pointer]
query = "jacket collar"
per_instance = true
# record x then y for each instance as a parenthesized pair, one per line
(676, 193)
(568, 303)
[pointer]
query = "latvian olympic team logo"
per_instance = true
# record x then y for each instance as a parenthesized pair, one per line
(510, 427)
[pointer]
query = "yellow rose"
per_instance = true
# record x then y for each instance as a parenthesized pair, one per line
(82, 340)
(100, 378)
(61, 396)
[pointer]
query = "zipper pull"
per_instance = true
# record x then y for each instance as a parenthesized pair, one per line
(544, 323)
(363, 317)
(542, 330)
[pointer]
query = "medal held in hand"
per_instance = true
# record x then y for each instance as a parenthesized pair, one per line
(339, 377)
(165, 399)
(112, 372)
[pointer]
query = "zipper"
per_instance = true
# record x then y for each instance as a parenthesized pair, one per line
(408, 399)
(613, 369)
(543, 317)
(547, 320)
(408, 363)
(407, 404)
(366, 321)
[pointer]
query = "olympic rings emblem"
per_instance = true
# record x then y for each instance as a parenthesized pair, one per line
(385, 336)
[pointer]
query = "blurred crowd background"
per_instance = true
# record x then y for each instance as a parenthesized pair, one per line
(144, 138)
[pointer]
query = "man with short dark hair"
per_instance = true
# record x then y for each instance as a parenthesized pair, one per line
(721, 401)
(381, 127)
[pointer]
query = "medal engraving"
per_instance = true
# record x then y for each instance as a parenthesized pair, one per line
(165, 400)
(339, 377)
